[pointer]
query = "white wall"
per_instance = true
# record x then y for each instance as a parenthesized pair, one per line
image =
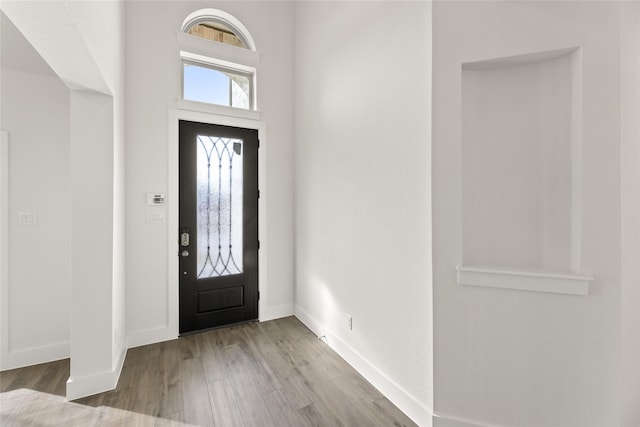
(153, 77)
(513, 358)
(101, 24)
(362, 128)
(37, 328)
(630, 295)
(82, 42)
(362, 197)
(98, 167)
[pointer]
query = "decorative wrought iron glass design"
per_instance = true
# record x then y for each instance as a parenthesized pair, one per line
(219, 206)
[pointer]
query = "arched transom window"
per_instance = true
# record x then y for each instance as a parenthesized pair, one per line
(217, 32)
(207, 75)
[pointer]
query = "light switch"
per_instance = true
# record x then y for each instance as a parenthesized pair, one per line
(27, 218)
(155, 217)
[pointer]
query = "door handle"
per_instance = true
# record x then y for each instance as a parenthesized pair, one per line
(184, 237)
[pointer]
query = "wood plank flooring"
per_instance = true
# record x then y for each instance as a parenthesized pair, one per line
(270, 374)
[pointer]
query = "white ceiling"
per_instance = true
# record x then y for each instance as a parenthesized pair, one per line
(16, 53)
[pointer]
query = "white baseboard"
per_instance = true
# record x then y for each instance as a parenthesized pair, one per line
(407, 403)
(78, 387)
(150, 336)
(446, 421)
(276, 312)
(167, 333)
(34, 356)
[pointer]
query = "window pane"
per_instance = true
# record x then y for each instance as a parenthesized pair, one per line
(205, 85)
(240, 92)
(213, 86)
(217, 32)
(219, 200)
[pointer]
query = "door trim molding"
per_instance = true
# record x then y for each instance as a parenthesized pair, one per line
(175, 115)
(4, 249)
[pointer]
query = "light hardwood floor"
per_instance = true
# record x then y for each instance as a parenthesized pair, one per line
(275, 373)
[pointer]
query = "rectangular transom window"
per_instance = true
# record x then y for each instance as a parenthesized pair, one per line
(216, 85)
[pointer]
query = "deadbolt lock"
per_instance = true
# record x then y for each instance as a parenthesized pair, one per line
(184, 237)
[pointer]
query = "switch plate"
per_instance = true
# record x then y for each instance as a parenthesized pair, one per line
(27, 218)
(349, 322)
(155, 217)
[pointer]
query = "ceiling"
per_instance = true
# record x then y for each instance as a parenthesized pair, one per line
(16, 53)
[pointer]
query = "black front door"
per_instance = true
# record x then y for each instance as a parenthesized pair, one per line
(218, 225)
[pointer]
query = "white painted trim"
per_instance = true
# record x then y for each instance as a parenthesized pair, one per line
(536, 281)
(78, 387)
(150, 336)
(223, 65)
(172, 203)
(446, 421)
(218, 51)
(219, 110)
(173, 278)
(4, 250)
(576, 160)
(406, 402)
(35, 355)
(276, 312)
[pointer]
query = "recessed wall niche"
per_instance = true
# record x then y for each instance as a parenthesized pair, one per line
(521, 168)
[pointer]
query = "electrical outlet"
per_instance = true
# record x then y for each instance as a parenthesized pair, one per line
(349, 322)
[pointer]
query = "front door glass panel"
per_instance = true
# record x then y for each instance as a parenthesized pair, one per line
(219, 206)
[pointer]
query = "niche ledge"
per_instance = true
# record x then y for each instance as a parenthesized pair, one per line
(523, 280)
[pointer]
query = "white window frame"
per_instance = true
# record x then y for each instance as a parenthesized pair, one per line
(222, 66)
(220, 56)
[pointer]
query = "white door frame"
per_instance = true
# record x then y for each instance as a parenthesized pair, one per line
(175, 115)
